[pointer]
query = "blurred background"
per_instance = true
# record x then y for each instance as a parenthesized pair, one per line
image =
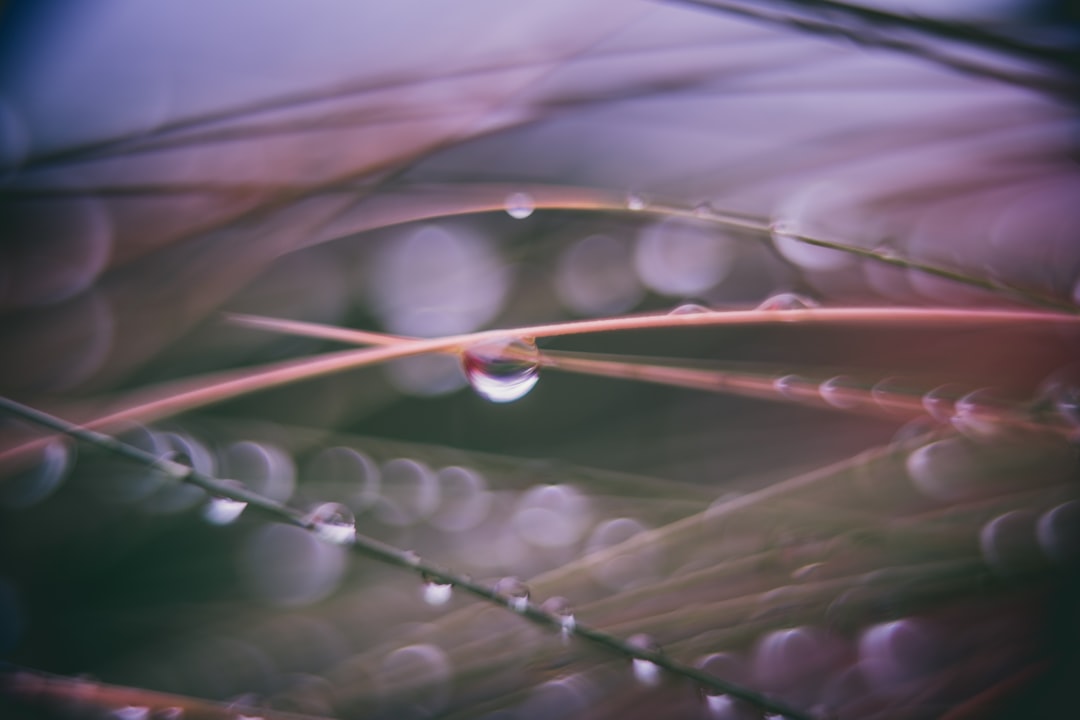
(430, 169)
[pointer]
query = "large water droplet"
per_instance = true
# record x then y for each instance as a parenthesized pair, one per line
(519, 205)
(838, 392)
(437, 593)
(646, 672)
(515, 592)
(334, 523)
(502, 370)
(690, 309)
(787, 301)
(559, 610)
(222, 510)
(635, 202)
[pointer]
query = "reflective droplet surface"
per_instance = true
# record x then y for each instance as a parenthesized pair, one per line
(334, 523)
(223, 510)
(635, 202)
(940, 402)
(502, 370)
(975, 414)
(690, 309)
(838, 392)
(789, 385)
(559, 609)
(37, 482)
(788, 301)
(646, 672)
(519, 205)
(131, 712)
(703, 209)
(1058, 533)
(437, 593)
(515, 592)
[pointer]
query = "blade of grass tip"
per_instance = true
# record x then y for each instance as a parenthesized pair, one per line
(389, 555)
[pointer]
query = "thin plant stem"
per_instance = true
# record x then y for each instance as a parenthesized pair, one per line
(36, 689)
(389, 555)
(174, 397)
(857, 399)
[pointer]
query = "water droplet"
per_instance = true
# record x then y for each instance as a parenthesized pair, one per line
(333, 523)
(838, 392)
(690, 309)
(515, 592)
(646, 672)
(911, 432)
(976, 414)
(502, 370)
(635, 202)
(176, 465)
(789, 385)
(437, 593)
(223, 510)
(411, 557)
(132, 712)
(888, 392)
(1058, 533)
(559, 609)
(519, 205)
(940, 402)
(1067, 404)
(788, 301)
(703, 209)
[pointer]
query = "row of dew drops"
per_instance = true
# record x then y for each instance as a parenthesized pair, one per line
(506, 370)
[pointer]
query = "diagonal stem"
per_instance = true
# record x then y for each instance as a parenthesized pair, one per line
(390, 555)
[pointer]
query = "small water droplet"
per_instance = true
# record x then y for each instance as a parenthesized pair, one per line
(1058, 533)
(223, 510)
(437, 593)
(888, 392)
(646, 672)
(839, 392)
(690, 309)
(635, 202)
(515, 592)
(703, 209)
(1067, 404)
(975, 414)
(788, 301)
(411, 557)
(502, 370)
(789, 385)
(132, 712)
(519, 205)
(559, 609)
(333, 523)
(913, 431)
(176, 465)
(940, 402)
